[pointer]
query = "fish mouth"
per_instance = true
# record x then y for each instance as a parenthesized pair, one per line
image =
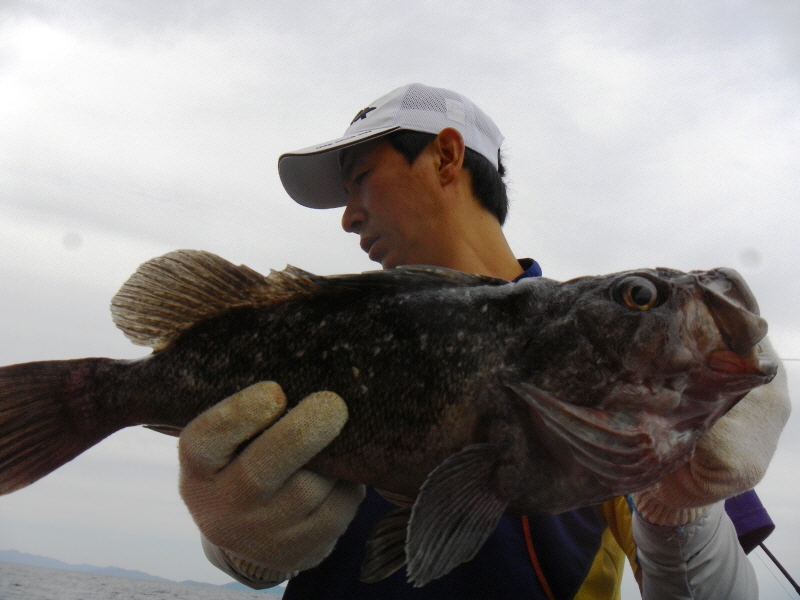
(730, 284)
(735, 312)
(730, 362)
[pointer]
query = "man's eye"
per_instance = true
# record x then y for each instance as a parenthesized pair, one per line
(360, 177)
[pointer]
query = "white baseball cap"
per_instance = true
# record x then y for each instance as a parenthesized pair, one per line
(313, 177)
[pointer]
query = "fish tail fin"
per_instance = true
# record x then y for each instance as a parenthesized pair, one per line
(48, 416)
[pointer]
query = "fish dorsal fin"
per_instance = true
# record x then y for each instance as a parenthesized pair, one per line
(416, 277)
(171, 293)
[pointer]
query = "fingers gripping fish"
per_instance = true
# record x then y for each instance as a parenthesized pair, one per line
(468, 395)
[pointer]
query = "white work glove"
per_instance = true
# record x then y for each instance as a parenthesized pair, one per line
(730, 458)
(268, 516)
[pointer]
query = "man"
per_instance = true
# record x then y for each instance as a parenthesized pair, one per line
(419, 174)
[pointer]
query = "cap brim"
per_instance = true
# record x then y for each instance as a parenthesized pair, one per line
(312, 176)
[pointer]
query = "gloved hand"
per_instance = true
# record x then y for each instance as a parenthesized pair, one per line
(270, 517)
(729, 459)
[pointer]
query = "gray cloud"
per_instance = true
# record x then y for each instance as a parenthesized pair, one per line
(638, 134)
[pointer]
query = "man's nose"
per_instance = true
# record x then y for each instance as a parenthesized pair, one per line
(353, 217)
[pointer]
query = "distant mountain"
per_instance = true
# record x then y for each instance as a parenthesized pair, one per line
(21, 558)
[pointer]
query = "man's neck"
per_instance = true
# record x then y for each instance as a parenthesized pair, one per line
(482, 249)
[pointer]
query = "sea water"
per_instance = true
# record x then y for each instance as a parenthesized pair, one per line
(24, 582)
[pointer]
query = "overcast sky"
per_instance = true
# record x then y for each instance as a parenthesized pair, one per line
(638, 134)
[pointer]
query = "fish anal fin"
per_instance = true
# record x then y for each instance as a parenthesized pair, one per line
(171, 293)
(386, 547)
(457, 509)
(397, 499)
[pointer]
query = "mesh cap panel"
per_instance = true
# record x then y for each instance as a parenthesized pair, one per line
(312, 176)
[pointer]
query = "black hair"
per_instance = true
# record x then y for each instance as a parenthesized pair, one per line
(487, 182)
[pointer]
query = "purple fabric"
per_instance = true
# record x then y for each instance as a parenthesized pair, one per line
(751, 520)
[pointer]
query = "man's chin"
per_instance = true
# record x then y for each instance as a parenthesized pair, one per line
(387, 262)
(382, 258)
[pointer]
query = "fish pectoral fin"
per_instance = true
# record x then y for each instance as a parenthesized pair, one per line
(386, 547)
(457, 509)
(166, 429)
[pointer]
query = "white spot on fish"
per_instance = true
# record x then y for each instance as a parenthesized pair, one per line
(484, 308)
(376, 351)
(460, 335)
(388, 337)
(324, 354)
(356, 372)
(299, 353)
(363, 389)
(322, 323)
(423, 341)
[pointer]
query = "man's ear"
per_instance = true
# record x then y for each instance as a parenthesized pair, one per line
(449, 146)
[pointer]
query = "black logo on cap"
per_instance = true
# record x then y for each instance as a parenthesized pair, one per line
(362, 114)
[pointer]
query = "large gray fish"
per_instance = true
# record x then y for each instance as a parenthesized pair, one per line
(470, 395)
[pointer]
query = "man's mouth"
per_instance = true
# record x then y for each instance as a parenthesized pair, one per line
(367, 242)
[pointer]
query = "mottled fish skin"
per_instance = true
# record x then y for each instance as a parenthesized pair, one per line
(383, 354)
(526, 397)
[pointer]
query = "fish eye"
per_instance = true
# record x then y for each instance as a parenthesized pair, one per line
(638, 293)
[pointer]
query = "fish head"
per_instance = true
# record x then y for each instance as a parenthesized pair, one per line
(697, 339)
(656, 333)
(633, 368)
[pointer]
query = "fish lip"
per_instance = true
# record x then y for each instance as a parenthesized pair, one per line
(732, 286)
(734, 309)
(730, 362)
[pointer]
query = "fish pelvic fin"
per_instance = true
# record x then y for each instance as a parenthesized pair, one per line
(457, 509)
(46, 419)
(386, 547)
(169, 294)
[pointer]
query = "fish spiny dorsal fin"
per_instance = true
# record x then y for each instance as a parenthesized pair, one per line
(409, 278)
(451, 277)
(171, 293)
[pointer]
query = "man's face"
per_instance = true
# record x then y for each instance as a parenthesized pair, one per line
(394, 207)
